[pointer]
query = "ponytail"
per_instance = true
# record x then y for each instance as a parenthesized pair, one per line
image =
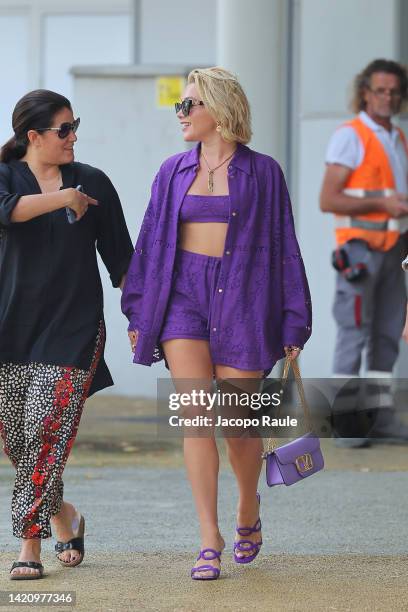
(12, 149)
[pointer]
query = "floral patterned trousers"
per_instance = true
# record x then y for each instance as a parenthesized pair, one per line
(40, 409)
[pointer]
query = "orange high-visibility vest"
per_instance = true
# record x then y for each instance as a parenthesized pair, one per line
(372, 178)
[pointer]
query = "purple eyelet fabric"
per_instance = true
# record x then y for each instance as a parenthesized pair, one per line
(261, 273)
(204, 209)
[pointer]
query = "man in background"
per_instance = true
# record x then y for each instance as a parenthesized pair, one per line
(366, 185)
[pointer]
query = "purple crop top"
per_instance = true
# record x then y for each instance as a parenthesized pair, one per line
(200, 208)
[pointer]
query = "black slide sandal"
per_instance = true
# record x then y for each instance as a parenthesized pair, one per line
(30, 564)
(76, 543)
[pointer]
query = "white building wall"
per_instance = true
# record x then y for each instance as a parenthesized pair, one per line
(112, 43)
(177, 32)
(40, 40)
(251, 41)
(14, 46)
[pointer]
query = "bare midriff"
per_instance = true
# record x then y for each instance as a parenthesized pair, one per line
(203, 238)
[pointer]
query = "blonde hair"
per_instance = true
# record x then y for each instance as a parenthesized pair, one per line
(225, 100)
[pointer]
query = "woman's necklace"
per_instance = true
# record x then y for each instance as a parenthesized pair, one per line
(46, 184)
(212, 170)
(50, 185)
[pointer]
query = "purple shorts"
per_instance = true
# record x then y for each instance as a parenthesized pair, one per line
(189, 309)
(188, 313)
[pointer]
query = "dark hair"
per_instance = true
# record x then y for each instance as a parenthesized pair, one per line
(35, 110)
(362, 81)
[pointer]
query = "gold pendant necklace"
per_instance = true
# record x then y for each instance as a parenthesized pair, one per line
(212, 170)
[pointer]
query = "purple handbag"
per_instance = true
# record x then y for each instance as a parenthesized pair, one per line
(299, 458)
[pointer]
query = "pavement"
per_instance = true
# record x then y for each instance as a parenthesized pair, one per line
(335, 542)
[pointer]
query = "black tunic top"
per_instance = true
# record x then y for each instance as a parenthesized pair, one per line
(51, 299)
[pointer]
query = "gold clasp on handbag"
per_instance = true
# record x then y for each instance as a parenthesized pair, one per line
(304, 463)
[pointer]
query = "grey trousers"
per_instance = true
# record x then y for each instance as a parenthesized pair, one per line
(370, 313)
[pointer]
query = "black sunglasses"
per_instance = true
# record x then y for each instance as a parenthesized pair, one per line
(63, 130)
(186, 104)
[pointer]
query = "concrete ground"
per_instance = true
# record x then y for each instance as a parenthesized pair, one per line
(337, 542)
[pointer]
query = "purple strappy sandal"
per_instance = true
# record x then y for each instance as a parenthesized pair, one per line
(207, 568)
(244, 546)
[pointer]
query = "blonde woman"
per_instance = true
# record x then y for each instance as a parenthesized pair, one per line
(217, 287)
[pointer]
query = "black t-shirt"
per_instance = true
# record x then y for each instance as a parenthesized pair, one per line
(51, 299)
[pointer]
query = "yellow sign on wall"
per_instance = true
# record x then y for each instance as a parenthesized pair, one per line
(169, 90)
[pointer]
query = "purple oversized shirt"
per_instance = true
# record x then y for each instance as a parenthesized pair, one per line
(262, 272)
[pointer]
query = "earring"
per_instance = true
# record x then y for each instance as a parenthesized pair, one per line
(218, 128)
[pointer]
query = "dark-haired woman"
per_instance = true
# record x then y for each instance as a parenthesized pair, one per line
(52, 331)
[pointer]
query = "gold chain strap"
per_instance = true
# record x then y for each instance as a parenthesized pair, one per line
(272, 444)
